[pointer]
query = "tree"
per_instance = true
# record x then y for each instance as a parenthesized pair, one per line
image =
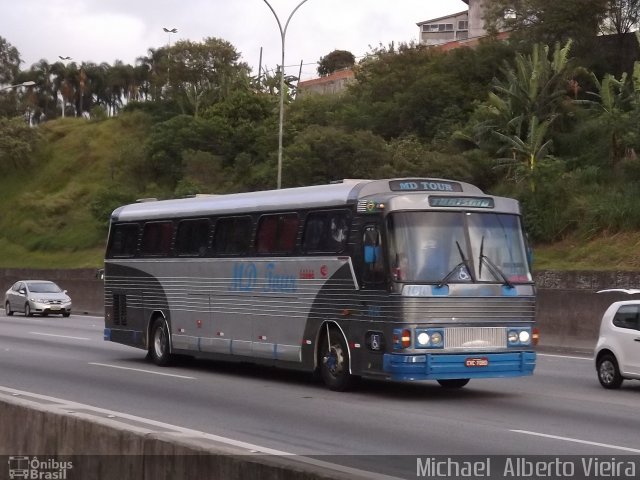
(622, 16)
(334, 61)
(547, 21)
(17, 142)
(612, 104)
(9, 62)
(200, 74)
(525, 102)
(322, 154)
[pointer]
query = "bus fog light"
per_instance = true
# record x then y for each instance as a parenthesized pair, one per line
(524, 336)
(423, 338)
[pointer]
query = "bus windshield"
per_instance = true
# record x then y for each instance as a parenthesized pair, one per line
(433, 247)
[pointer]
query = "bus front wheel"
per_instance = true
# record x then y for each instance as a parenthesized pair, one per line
(334, 362)
(159, 349)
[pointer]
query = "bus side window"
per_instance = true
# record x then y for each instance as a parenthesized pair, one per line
(232, 236)
(373, 271)
(123, 241)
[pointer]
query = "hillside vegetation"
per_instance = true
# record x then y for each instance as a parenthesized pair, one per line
(550, 117)
(48, 219)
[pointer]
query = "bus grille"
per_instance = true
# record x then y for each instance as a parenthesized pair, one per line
(475, 338)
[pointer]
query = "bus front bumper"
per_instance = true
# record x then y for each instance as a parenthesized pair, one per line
(441, 366)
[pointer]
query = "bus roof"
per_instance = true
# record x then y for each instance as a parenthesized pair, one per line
(318, 196)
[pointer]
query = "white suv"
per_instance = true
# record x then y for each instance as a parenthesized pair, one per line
(617, 353)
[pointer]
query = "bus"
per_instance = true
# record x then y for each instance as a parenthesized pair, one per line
(398, 279)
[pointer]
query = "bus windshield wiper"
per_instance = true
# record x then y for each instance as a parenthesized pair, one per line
(464, 263)
(493, 268)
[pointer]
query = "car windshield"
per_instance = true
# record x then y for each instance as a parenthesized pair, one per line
(43, 287)
(433, 247)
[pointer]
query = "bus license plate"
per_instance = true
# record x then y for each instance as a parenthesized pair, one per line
(476, 362)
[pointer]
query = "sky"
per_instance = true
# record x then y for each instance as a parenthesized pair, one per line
(109, 30)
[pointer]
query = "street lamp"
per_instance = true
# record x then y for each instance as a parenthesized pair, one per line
(169, 32)
(28, 83)
(65, 60)
(283, 33)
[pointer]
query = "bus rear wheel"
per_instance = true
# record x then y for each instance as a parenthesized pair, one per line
(334, 362)
(454, 382)
(159, 350)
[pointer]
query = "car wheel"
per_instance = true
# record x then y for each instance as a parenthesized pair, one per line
(27, 310)
(609, 372)
(454, 382)
(66, 314)
(7, 309)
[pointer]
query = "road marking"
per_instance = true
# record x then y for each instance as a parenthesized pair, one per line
(58, 336)
(141, 370)
(186, 433)
(564, 356)
(575, 440)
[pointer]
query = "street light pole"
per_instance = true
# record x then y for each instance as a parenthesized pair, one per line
(64, 63)
(283, 33)
(169, 31)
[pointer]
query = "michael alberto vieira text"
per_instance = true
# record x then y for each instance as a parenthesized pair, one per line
(523, 467)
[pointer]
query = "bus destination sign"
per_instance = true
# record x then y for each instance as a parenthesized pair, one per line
(456, 202)
(424, 185)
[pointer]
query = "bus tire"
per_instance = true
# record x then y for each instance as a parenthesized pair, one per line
(159, 349)
(454, 382)
(334, 362)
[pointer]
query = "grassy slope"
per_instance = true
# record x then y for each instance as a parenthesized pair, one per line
(611, 252)
(46, 221)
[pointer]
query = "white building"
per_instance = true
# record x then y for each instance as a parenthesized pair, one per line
(455, 27)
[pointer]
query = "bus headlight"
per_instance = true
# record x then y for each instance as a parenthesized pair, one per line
(519, 337)
(430, 338)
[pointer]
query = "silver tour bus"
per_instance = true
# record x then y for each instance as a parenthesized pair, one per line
(402, 279)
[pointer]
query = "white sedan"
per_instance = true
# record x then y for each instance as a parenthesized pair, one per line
(37, 296)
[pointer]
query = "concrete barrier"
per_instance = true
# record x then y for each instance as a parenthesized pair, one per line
(89, 442)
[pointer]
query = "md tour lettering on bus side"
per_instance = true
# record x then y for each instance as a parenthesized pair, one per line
(245, 279)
